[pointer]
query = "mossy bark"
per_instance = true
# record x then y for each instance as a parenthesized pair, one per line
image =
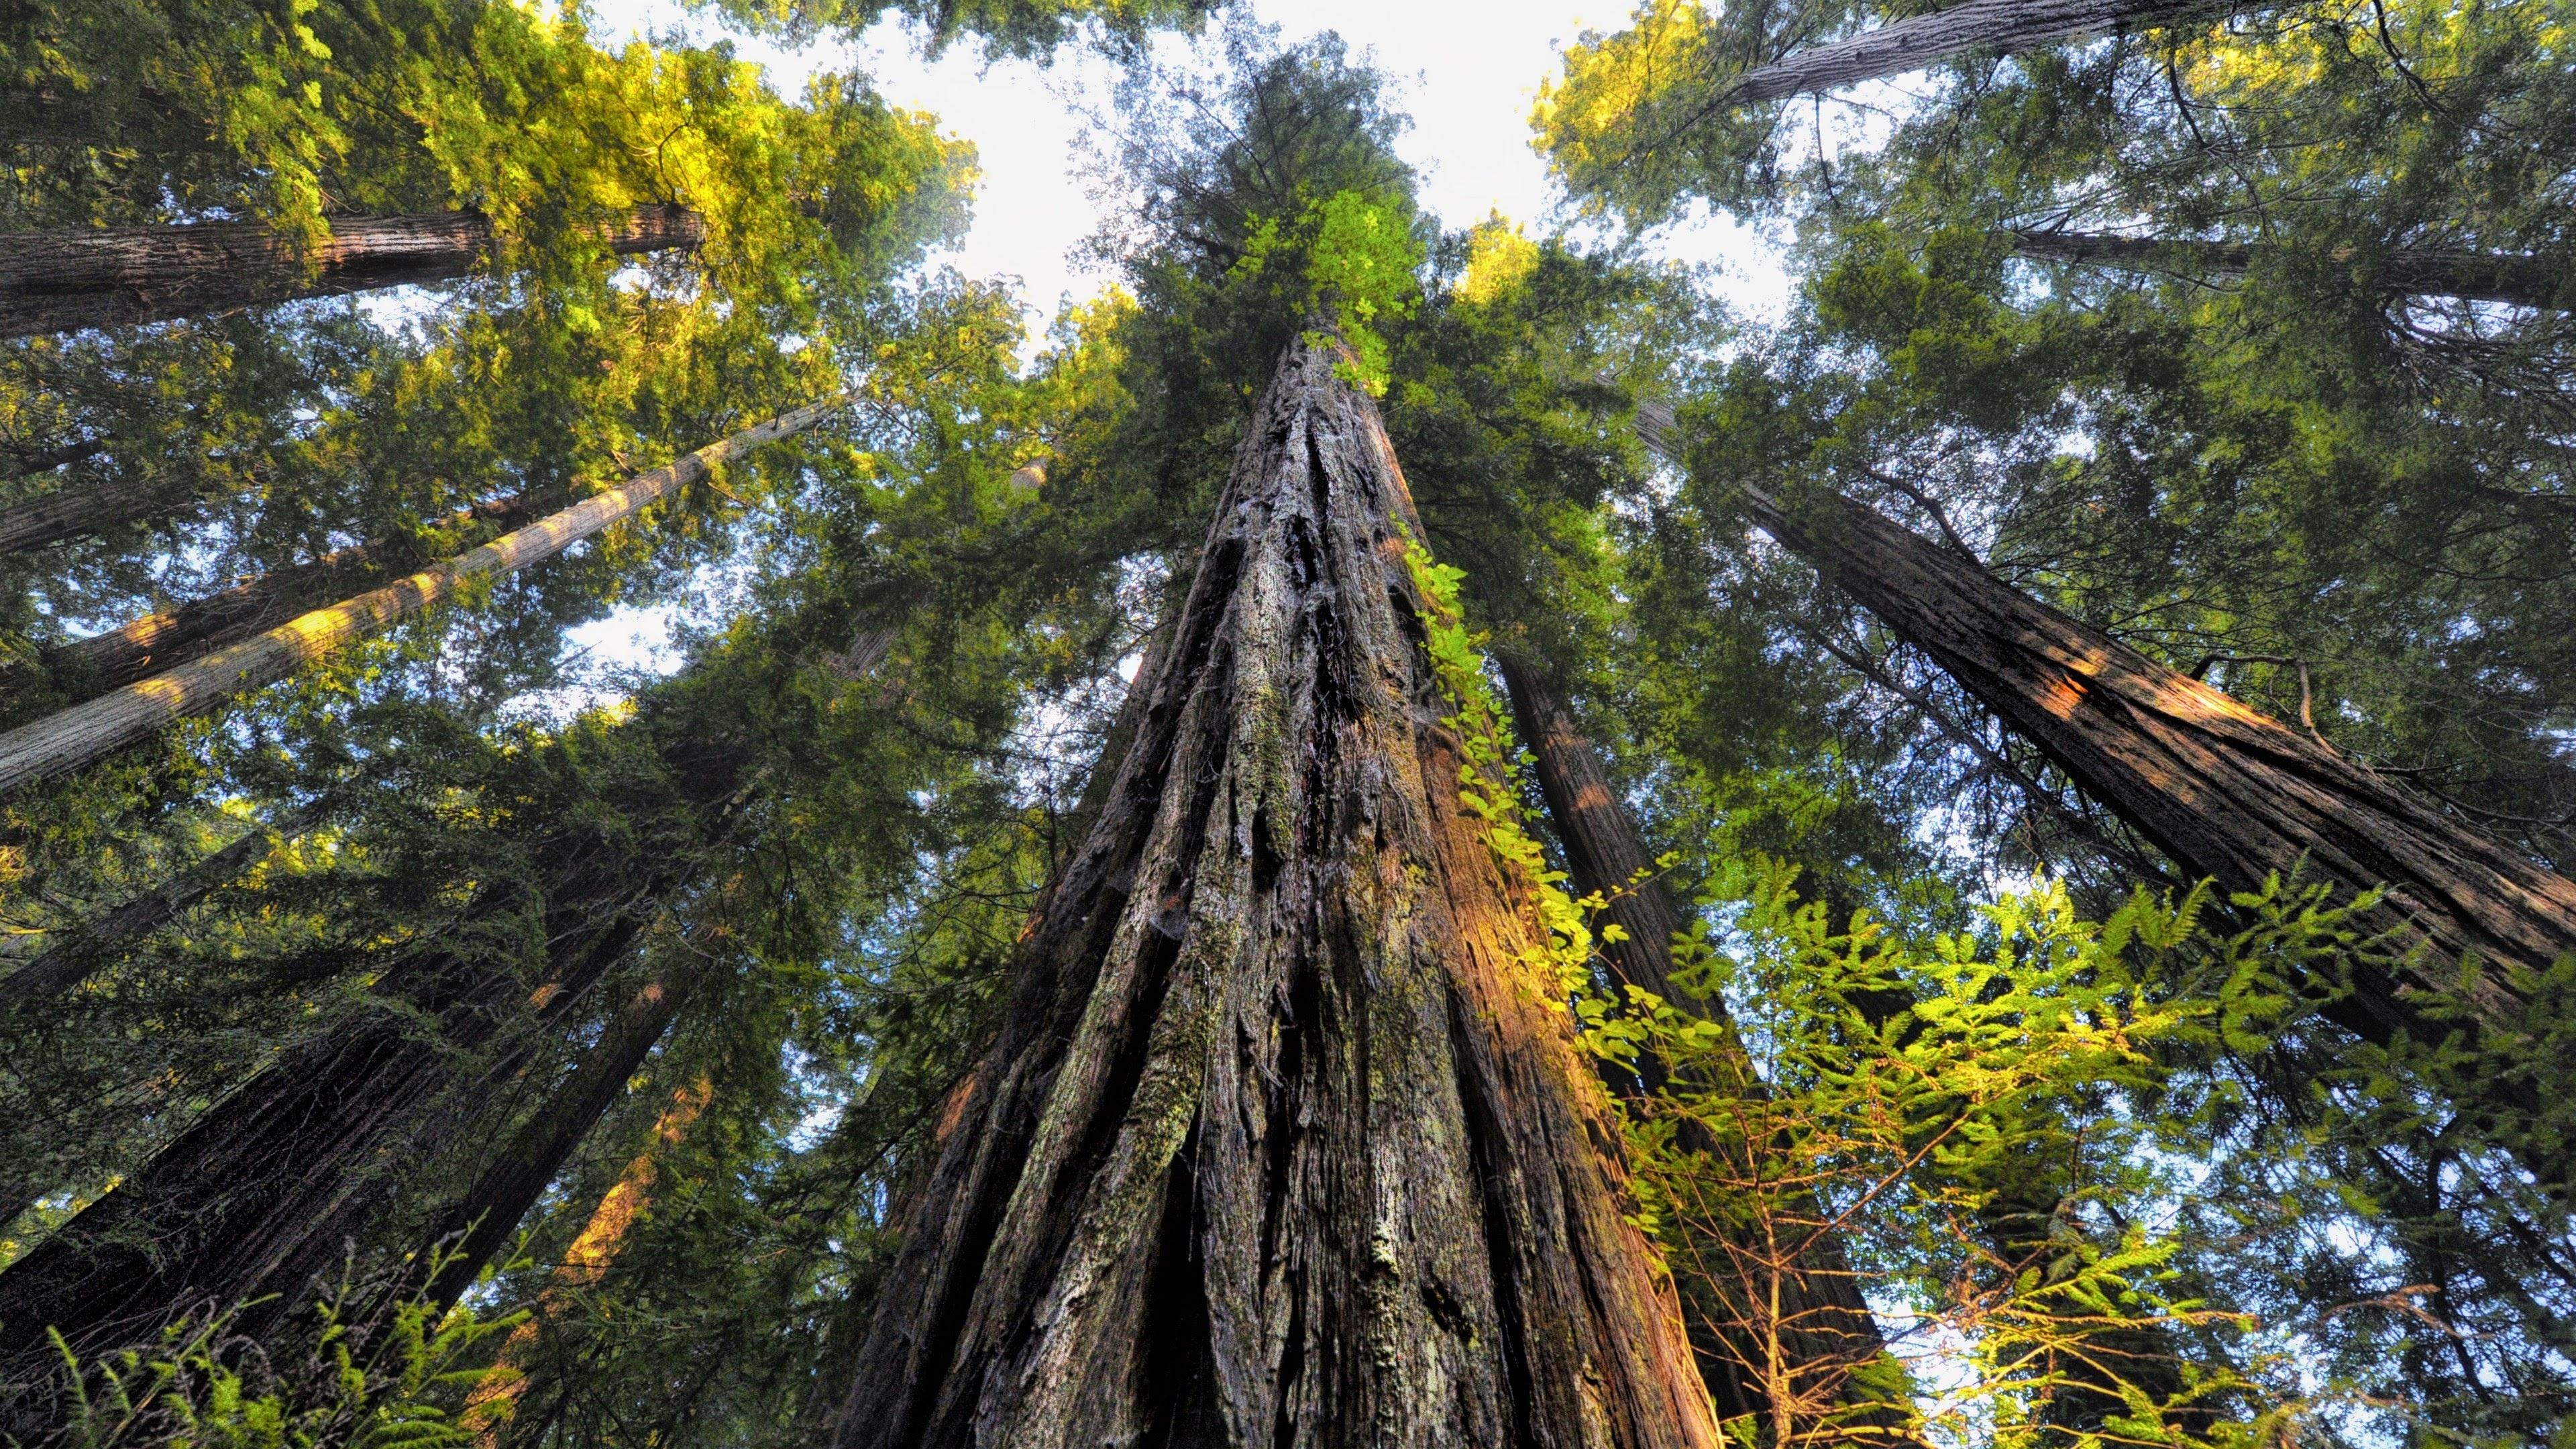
(1286, 1139)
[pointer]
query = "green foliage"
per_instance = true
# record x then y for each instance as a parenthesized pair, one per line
(392, 1384)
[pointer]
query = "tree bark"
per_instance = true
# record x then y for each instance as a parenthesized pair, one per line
(2509, 277)
(1919, 42)
(2231, 794)
(73, 737)
(269, 1190)
(1285, 1140)
(78, 512)
(64, 281)
(1820, 1319)
(167, 638)
(484, 1221)
(66, 963)
(592, 1253)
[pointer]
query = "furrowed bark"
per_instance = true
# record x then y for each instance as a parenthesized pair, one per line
(78, 512)
(2509, 277)
(2231, 794)
(1921, 41)
(95, 728)
(267, 1192)
(119, 276)
(1286, 1139)
(65, 964)
(1824, 1328)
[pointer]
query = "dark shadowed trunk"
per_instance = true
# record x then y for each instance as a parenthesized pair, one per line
(1286, 1140)
(2230, 793)
(486, 1219)
(1921, 41)
(63, 281)
(66, 962)
(268, 1190)
(2523, 281)
(1818, 1322)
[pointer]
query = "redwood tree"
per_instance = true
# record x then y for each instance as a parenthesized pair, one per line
(2232, 794)
(1286, 1138)
(63, 281)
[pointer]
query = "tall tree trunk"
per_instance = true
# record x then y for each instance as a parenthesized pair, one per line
(1921, 41)
(2514, 278)
(1286, 1140)
(68, 961)
(167, 638)
(592, 1253)
(78, 512)
(73, 737)
(63, 281)
(1818, 1324)
(2230, 793)
(478, 1225)
(268, 1190)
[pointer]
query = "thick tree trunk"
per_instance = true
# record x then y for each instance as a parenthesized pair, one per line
(85, 732)
(269, 1189)
(78, 512)
(1818, 1321)
(1286, 1140)
(1921, 41)
(2229, 793)
(63, 281)
(592, 1253)
(2522, 281)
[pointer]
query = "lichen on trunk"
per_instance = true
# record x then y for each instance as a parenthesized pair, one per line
(1286, 1139)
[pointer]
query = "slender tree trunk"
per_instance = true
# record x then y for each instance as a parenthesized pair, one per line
(270, 1188)
(1919, 42)
(1286, 1140)
(1819, 1320)
(73, 737)
(67, 962)
(63, 281)
(2520, 280)
(2232, 794)
(167, 638)
(592, 1253)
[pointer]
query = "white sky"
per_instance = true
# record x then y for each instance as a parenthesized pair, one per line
(1470, 71)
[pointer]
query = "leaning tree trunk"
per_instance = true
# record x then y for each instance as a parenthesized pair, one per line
(266, 1191)
(469, 1231)
(167, 638)
(1286, 1139)
(63, 281)
(2232, 794)
(96, 728)
(1921, 41)
(68, 960)
(1822, 1328)
(85, 509)
(2509, 277)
